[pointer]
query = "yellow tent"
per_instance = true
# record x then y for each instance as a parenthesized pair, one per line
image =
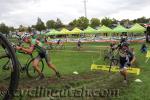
(65, 31)
(76, 31)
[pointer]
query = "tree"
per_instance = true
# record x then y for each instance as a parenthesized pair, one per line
(22, 28)
(4, 29)
(73, 23)
(59, 24)
(33, 26)
(94, 22)
(51, 24)
(126, 22)
(106, 21)
(40, 25)
(29, 29)
(114, 21)
(82, 23)
(12, 29)
(141, 20)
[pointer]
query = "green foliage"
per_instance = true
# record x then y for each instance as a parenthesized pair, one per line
(73, 23)
(106, 21)
(40, 25)
(29, 29)
(141, 20)
(51, 24)
(126, 22)
(4, 29)
(82, 23)
(94, 22)
(59, 24)
(22, 28)
(12, 29)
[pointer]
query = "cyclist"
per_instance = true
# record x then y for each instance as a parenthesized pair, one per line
(38, 46)
(126, 58)
(123, 42)
(143, 48)
(59, 43)
(79, 44)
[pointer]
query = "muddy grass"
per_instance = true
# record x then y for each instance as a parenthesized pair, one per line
(90, 80)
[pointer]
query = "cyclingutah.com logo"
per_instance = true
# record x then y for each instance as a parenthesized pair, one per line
(72, 92)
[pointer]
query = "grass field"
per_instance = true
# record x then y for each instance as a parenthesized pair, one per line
(70, 59)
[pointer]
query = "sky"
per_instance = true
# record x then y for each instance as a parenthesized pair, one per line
(26, 12)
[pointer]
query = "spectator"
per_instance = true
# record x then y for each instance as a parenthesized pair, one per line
(144, 48)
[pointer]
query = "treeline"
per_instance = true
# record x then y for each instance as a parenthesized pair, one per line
(81, 22)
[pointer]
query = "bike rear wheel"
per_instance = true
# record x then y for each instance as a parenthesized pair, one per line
(31, 72)
(8, 78)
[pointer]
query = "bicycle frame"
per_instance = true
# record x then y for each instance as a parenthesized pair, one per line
(29, 59)
(21, 66)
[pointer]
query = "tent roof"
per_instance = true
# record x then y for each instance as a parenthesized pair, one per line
(105, 29)
(65, 31)
(120, 29)
(137, 28)
(90, 30)
(76, 31)
(53, 32)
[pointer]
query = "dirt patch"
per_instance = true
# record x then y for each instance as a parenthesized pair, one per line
(30, 83)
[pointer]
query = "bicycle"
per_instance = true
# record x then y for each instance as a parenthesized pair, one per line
(8, 87)
(111, 58)
(28, 68)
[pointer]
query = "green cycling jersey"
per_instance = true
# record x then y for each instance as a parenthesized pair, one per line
(38, 46)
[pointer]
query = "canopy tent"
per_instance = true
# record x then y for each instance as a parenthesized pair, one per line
(105, 29)
(137, 28)
(65, 31)
(76, 31)
(90, 30)
(120, 29)
(53, 32)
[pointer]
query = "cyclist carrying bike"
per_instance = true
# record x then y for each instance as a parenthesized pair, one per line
(126, 58)
(35, 44)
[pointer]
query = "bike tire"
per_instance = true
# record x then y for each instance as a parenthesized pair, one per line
(113, 62)
(30, 71)
(14, 77)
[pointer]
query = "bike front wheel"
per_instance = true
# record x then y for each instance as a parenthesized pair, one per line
(8, 78)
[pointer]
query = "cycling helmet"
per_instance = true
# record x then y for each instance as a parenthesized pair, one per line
(25, 35)
(123, 40)
(126, 44)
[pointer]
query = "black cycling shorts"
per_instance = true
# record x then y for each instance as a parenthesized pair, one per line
(43, 55)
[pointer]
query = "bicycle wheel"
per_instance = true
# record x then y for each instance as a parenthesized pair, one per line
(113, 62)
(8, 78)
(31, 72)
(106, 54)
